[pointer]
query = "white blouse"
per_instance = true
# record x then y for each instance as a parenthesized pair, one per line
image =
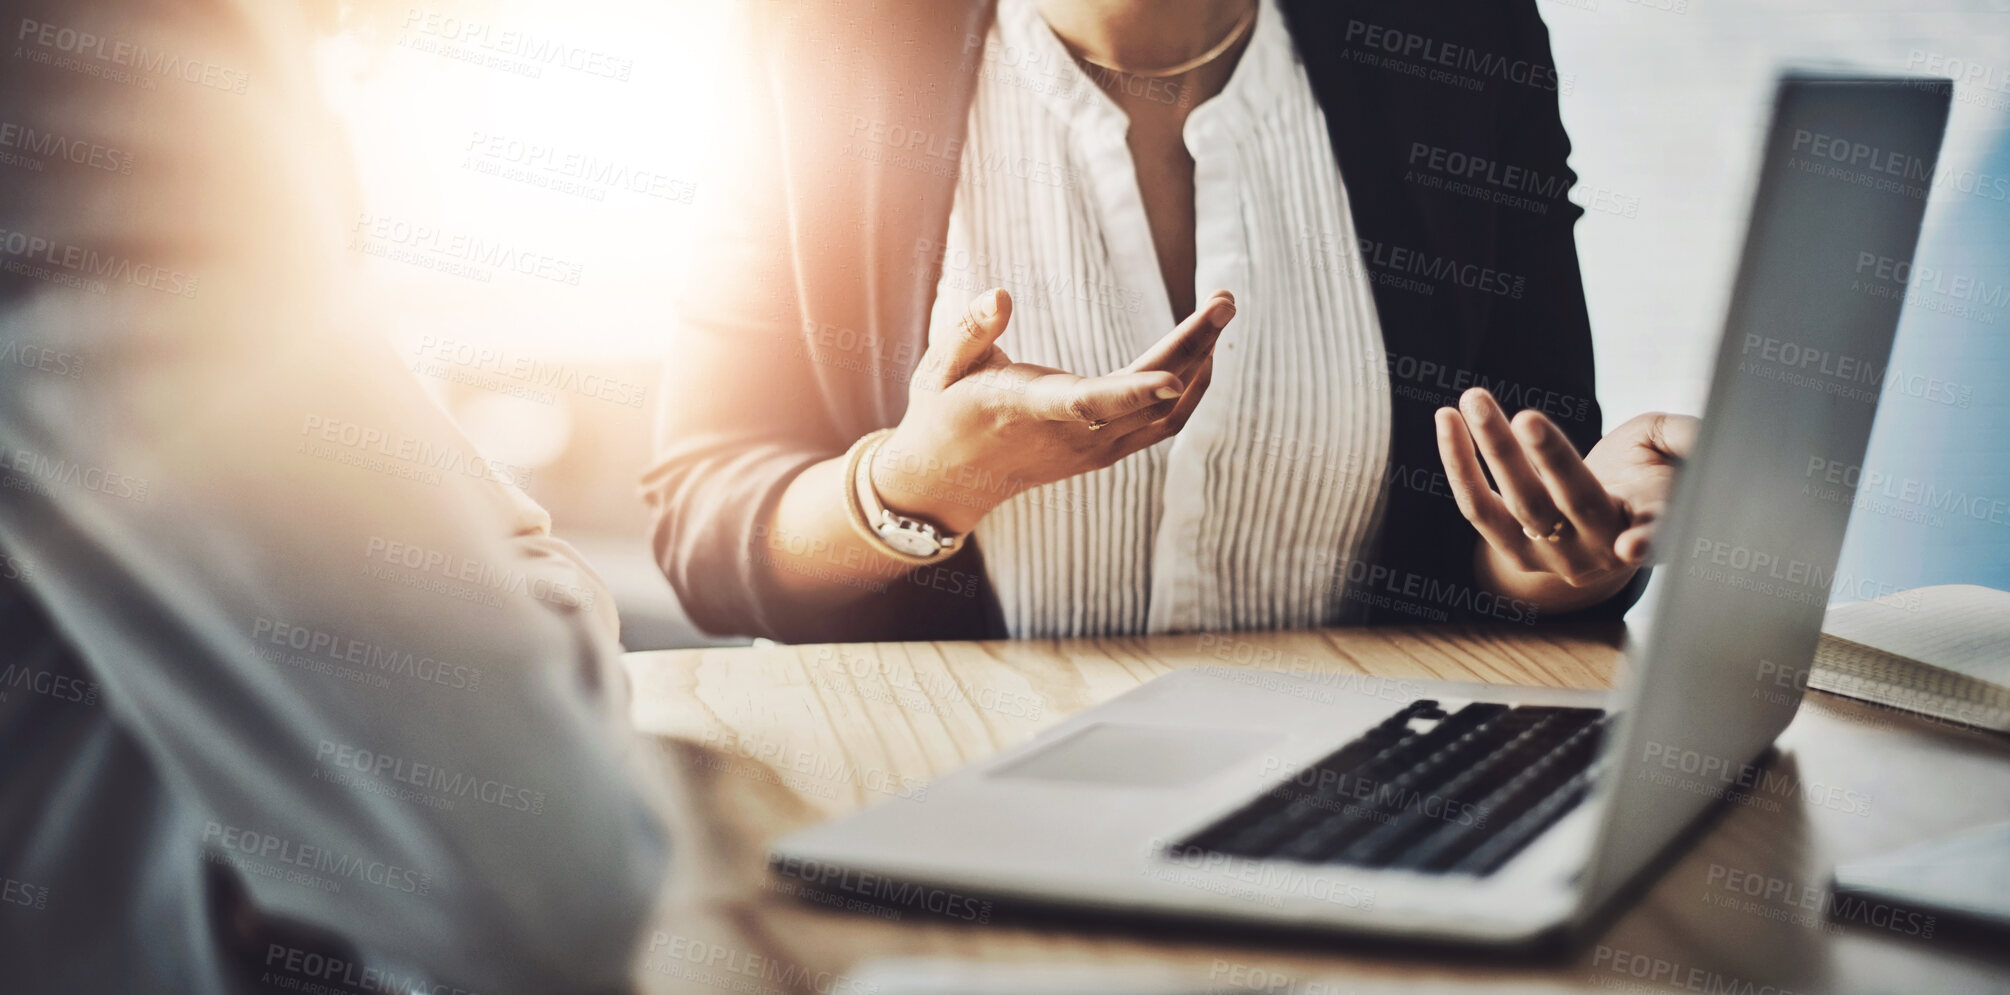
(1247, 518)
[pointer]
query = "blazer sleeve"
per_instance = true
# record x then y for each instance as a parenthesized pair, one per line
(1541, 341)
(736, 414)
(803, 308)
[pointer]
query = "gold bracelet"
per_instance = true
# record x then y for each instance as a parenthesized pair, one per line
(855, 508)
(857, 465)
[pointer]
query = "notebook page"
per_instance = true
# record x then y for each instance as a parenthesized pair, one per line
(1959, 627)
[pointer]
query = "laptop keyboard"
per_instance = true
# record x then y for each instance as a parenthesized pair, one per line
(1425, 790)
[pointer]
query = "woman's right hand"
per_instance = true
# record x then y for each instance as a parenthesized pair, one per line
(980, 428)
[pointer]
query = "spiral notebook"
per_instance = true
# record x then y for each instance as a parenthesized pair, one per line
(1940, 651)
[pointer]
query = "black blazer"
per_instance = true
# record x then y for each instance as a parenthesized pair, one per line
(795, 333)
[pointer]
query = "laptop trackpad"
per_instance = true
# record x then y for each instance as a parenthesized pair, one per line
(1139, 756)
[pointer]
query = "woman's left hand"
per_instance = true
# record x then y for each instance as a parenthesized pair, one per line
(1563, 532)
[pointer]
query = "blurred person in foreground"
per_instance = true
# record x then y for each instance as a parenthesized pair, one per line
(853, 446)
(298, 690)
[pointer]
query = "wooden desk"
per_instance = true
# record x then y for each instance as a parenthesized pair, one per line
(762, 741)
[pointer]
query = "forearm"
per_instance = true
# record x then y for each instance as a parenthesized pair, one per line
(809, 550)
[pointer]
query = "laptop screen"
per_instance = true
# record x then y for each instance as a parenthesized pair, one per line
(1749, 550)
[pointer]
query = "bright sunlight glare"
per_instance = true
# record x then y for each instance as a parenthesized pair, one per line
(543, 219)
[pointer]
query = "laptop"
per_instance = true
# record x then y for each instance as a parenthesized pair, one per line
(1471, 813)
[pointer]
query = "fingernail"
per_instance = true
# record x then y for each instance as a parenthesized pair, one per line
(987, 305)
(1166, 393)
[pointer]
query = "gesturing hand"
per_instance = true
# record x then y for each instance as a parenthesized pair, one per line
(980, 428)
(1562, 532)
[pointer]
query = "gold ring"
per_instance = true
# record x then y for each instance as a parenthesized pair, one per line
(1555, 532)
(1097, 425)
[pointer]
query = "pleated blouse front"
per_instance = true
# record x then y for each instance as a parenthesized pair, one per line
(1247, 518)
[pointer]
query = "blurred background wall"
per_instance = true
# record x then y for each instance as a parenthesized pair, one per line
(1666, 111)
(528, 171)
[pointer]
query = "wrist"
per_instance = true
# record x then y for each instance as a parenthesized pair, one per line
(911, 480)
(1548, 592)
